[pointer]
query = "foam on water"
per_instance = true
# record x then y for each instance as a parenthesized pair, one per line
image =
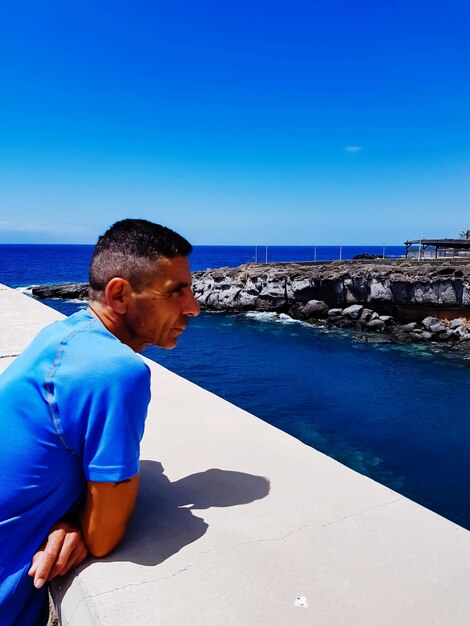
(262, 316)
(279, 318)
(286, 319)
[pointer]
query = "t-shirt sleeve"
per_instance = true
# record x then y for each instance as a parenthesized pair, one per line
(115, 426)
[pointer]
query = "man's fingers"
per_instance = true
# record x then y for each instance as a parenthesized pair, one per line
(45, 558)
(63, 549)
(78, 555)
(46, 561)
(34, 563)
(66, 551)
(71, 540)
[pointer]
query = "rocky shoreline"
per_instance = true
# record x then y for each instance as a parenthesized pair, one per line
(407, 301)
(453, 333)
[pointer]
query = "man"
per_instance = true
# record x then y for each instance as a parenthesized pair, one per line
(72, 412)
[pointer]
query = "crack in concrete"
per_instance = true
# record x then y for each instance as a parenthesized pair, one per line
(439, 615)
(231, 547)
(84, 599)
(143, 582)
(9, 356)
(372, 508)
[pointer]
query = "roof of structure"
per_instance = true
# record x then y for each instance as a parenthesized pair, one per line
(441, 243)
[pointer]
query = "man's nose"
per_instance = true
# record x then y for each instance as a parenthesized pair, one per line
(192, 307)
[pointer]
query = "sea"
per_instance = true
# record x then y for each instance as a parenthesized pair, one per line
(398, 414)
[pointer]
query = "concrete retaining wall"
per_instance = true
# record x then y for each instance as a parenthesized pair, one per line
(237, 520)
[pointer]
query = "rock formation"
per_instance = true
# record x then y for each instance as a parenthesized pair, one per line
(64, 291)
(407, 300)
(277, 287)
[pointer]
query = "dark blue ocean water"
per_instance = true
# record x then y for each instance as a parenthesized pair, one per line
(22, 265)
(396, 414)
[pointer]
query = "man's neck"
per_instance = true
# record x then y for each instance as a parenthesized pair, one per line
(113, 322)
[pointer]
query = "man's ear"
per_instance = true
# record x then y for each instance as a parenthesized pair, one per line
(117, 294)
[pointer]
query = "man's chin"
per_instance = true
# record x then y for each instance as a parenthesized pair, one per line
(168, 345)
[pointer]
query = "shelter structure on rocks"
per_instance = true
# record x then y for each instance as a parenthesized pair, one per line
(438, 248)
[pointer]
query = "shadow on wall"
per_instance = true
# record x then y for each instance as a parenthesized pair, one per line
(163, 521)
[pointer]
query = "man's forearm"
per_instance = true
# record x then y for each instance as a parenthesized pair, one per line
(107, 510)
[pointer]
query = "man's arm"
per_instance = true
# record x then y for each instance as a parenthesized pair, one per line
(107, 510)
(103, 524)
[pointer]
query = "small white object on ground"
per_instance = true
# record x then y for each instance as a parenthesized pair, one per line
(301, 601)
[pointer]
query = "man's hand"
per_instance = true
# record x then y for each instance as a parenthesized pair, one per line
(63, 549)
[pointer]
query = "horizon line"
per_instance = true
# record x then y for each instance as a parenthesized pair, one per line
(230, 245)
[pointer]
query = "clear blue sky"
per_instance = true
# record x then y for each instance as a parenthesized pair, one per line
(235, 122)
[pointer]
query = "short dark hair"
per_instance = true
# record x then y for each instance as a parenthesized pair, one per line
(129, 249)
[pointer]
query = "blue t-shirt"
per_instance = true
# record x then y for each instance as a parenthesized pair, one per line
(72, 409)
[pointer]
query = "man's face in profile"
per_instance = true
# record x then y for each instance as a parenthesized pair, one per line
(159, 313)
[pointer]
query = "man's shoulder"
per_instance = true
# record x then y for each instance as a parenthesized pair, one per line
(88, 341)
(79, 348)
(62, 331)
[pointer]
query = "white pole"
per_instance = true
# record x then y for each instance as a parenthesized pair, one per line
(420, 248)
(256, 254)
(340, 248)
(383, 252)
